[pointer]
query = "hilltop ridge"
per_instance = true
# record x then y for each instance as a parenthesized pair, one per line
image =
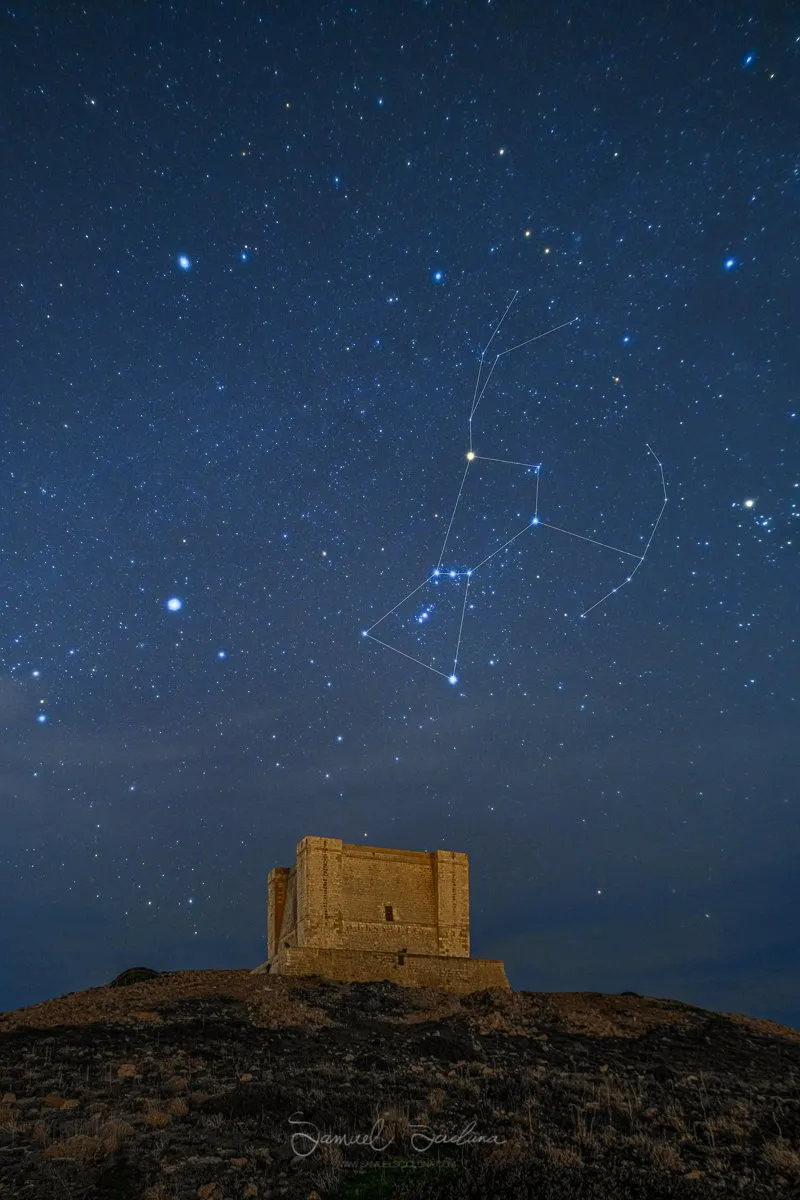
(225, 1084)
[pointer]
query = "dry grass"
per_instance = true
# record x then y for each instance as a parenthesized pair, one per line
(783, 1155)
(583, 1125)
(470, 1088)
(761, 1026)
(661, 1154)
(563, 1156)
(333, 1073)
(529, 1013)
(157, 1120)
(435, 1101)
(210, 1191)
(270, 1001)
(716, 1165)
(732, 1125)
(52, 1100)
(534, 1074)
(428, 1004)
(621, 1097)
(397, 1123)
(479, 1069)
(114, 1132)
(329, 1161)
(511, 1151)
(675, 1118)
(279, 1001)
(498, 1022)
(80, 1148)
(571, 1110)
(609, 1138)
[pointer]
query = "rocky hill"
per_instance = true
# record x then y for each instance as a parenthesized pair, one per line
(206, 1085)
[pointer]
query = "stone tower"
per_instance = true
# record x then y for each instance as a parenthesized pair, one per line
(359, 913)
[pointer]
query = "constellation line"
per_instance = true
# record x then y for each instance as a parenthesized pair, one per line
(456, 572)
(583, 538)
(461, 626)
(410, 657)
(628, 578)
(509, 462)
(399, 602)
(524, 529)
(453, 517)
(486, 347)
(511, 349)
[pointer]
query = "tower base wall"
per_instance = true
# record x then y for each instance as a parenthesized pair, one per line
(450, 973)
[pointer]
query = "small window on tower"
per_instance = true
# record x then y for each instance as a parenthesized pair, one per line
(389, 912)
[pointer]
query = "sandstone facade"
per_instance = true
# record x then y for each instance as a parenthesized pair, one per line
(361, 913)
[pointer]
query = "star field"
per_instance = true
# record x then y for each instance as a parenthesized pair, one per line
(253, 256)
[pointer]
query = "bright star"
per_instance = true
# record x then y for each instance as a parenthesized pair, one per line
(731, 263)
(749, 503)
(184, 262)
(452, 679)
(222, 654)
(438, 276)
(174, 604)
(41, 718)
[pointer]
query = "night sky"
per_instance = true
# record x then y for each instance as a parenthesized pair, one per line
(251, 256)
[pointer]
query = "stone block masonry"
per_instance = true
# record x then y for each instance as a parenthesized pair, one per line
(359, 913)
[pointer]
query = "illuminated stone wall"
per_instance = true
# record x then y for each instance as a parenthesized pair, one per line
(366, 912)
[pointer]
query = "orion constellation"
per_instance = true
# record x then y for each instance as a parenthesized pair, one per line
(448, 572)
